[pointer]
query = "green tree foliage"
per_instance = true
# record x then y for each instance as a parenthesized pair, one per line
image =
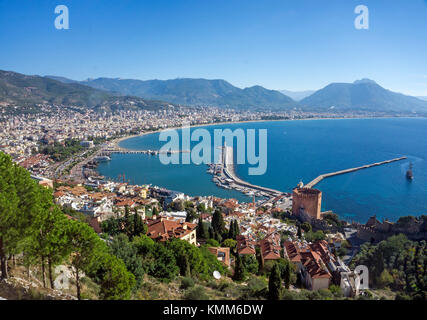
(256, 288)
(191, 214)
(212, 243)
(239, 269)
(60, 152)
(250, 263)
(201, 208)
(165, 266)
(218, 224)
(385, 279)
(306, 226)
(211, 233)
(86, 250)
(287, 272)
(131, 225)
(31, 224)
(139, 227)
(230, 243)
(177, 205)
(18, 206)
(127, 251)
(116, 281)
(396, 262)
(48, 240)
(314, 236)
(333, 219)
(211, 261)
(186, 256)
(275, 284)
(233, 230)
(202, 231)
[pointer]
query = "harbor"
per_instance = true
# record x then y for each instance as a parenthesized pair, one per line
(116, 149)
(224, 176)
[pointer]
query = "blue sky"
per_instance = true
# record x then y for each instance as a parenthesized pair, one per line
(279, 44)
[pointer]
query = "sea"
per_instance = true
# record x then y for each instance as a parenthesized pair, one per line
(301, 150)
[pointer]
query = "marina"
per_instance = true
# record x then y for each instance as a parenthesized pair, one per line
(109, 151)
(225, 177)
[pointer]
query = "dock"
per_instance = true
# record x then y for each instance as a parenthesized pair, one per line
(229, 172)
(337, 173)
(152, 152)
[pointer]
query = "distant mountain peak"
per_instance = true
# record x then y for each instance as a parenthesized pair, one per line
(196, 91)
(364, 80)
(363, 95)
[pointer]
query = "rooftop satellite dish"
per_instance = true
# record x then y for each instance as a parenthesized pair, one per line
(216, 275)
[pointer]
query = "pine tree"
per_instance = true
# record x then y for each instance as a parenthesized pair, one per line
(18, 205)
(218, 223)
(287, 274)
(47, 242)
(184, 265)
(139, 226)
(87, 248)
(202, 233)
(274, 284)
(211, 233)
(218, 237)
(236, 229)
(239, 269)
(231, 230)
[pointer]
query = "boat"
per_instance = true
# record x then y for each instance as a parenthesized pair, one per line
(409, 173)
(102, 158)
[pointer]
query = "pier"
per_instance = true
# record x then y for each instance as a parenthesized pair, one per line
(229, 172)
(337, 173)
(152, 152)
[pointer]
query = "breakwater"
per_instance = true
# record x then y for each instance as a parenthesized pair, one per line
(228, 171)
(336, 173)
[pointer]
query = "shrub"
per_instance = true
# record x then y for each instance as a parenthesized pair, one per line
(196, 293)
(187, 282)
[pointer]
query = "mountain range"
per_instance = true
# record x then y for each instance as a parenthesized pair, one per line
(24, 90)
(363, 95)
(196, 92)
(297, 95)
(109, 94)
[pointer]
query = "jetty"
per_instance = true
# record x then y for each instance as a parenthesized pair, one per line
(152, 152)
(229, 171)
(337, 173)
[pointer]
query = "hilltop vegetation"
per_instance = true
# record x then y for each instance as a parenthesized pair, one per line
(397, 263)
(34, 233)
(29, 92)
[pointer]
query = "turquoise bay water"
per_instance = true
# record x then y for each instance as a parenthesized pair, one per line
(302, 150)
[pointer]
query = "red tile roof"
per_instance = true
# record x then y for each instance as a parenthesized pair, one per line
(163, 229)
(245, 246)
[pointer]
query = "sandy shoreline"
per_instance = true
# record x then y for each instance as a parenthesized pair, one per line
(121, 139)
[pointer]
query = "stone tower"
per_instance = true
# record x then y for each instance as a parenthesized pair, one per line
(306, 201)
